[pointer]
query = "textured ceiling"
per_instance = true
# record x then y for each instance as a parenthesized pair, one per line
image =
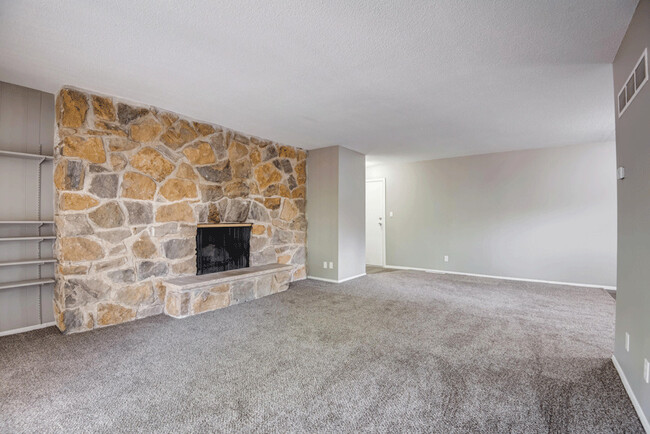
(392, 79)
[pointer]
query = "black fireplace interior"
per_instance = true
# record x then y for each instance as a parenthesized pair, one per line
(222, 248)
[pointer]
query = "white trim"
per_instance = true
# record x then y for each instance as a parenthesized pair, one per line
(383, 212)
(630, 393)
(27, 329)
(520, 279)
(322, 279)
(637, 87)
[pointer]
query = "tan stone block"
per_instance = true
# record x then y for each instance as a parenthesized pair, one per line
(179, 134)
(284, 259)
(106, 129)
(287, 152)
(103, 108)
(120, 144)
(299, 192)
(146, 130)
(267, 174)
(241, 169)
(71, 108)
(109, 314)
(77, 202)
(273, 202)
(208, 301)
(118, 162)
(289, 210)
(214, 215)
(187, 267)
(237, 150)
(144, 247)
(301, 172)
(200, 153)
(178, 189)
(299, 237)
(152, 163)
(302, 154)
(127, 113)
(280, 224)
(300, 273)
(255, 157)
(177, 304)
(258, 229)
(161, 291)
(176, 212)
(204, 129)
(185, 171)
(91, 148)
(111, 264)
(236, 189)
(108, 216)
(284, 191)
(167, 118)
(134, 295)
(80, 249)
(70, 270)
(219, 289)
(138, 186)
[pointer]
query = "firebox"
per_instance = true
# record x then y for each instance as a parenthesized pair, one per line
(222, 247)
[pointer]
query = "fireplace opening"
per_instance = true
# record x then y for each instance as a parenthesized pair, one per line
(222, 247)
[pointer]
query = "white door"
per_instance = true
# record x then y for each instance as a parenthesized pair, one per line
(375, 196)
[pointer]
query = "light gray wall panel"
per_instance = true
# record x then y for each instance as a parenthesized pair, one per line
(633, 152)
(547, 214)
(352, 214)
(322, 211)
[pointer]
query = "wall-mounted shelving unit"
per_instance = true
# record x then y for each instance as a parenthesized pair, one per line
(26, 236)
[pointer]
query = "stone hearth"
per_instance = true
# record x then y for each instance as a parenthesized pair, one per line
(192, 295)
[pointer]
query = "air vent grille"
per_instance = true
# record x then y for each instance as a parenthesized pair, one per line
(634, 83)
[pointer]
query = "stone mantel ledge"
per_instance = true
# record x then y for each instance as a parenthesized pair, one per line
(188, 283)
(191, 295)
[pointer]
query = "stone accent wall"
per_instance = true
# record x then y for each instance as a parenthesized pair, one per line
(133, 181)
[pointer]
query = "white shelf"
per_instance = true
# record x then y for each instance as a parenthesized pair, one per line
(13, 154)
(22, 283)
(34, 238)
(27, 262)
(26, 222)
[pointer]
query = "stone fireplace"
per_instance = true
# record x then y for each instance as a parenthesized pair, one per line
(222, 247)
(132, 184)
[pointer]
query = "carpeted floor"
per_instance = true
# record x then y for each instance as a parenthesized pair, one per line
(399, 351)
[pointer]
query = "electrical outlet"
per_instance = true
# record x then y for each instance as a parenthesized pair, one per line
(446, 258)
(331, 265)
(646, 370)
(324, 264)
(627, 342)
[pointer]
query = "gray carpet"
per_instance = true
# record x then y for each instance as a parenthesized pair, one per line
(400, 351)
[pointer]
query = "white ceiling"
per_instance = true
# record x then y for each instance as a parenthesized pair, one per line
(393, 79)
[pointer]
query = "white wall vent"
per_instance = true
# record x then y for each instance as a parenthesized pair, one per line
(634, 83)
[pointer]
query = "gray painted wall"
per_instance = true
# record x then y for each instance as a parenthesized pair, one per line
(26, 121)
(352, 214)
(547, 214)
(322, 211)
(335, 213)
(633, 152)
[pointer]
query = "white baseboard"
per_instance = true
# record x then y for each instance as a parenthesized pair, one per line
(520, 279)
(27, 329)
(630, 393)
(335, 281)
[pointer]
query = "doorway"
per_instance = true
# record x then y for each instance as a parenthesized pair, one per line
(375, 222)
